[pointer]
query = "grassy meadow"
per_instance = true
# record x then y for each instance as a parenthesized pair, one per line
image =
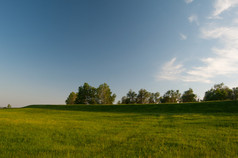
(166, 130)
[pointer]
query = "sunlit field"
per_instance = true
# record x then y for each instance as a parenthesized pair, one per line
(166, 130)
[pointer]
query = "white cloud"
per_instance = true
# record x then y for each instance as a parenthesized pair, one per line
(223, 5)
(228, 36)
(223, 60)
(235, 21)
(188, 1)
(171, 71)
(192, 78)
(183, 36)
(193, 18)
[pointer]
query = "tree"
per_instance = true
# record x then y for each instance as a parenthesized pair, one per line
(104, 94)
(9, 106)
(218, 92)
(131, 96)
(235, 93)
(154, 98)
(143, 96)
(91, 95)
(189, 96)
(86, 95)
(125, 100)
(171, 96)
(71, 98)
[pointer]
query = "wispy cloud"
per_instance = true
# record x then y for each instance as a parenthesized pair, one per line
(223, 5)
(235, 21)
(223, 60)
(227, 35)
(183, 36)
(174, 71)
(193, 19)
(188, 1)
(171, 71)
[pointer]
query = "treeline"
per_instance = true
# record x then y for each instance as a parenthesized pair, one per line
(221, 92)
(90, 95)
(102, 95)
(145, 97)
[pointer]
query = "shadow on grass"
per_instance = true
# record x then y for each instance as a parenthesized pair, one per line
(204, 107)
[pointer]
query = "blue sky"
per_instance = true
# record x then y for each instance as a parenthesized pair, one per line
(50, 48)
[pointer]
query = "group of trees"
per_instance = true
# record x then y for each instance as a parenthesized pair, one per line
(145, 97)
(221, 92)
(102, 95)
(171, 96)
(90, 95)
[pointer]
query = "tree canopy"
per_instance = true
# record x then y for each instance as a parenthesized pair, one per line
(189, 96)
(143, 97)
(103, 95)
(171, 96)
(154, 98)
(71, 98)
(218, 92)
(235, 93)
(90, 95)
(86, 95)
(131, 96)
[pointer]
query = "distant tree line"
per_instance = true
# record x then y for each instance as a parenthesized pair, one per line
(221, 92)
(145, 97)
(90, 95)
(102, 95)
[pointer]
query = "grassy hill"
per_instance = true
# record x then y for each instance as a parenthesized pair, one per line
(166, 130)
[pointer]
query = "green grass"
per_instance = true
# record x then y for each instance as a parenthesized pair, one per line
(166, 130)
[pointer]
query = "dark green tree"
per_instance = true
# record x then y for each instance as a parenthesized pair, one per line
(154, 98)
(171, 96)
(104, 95)
(189, 96)
(131, 96)
(125, 100)
(71, 98)
(143, 96)
(86, 95)
(235, 93)
(218, 92)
